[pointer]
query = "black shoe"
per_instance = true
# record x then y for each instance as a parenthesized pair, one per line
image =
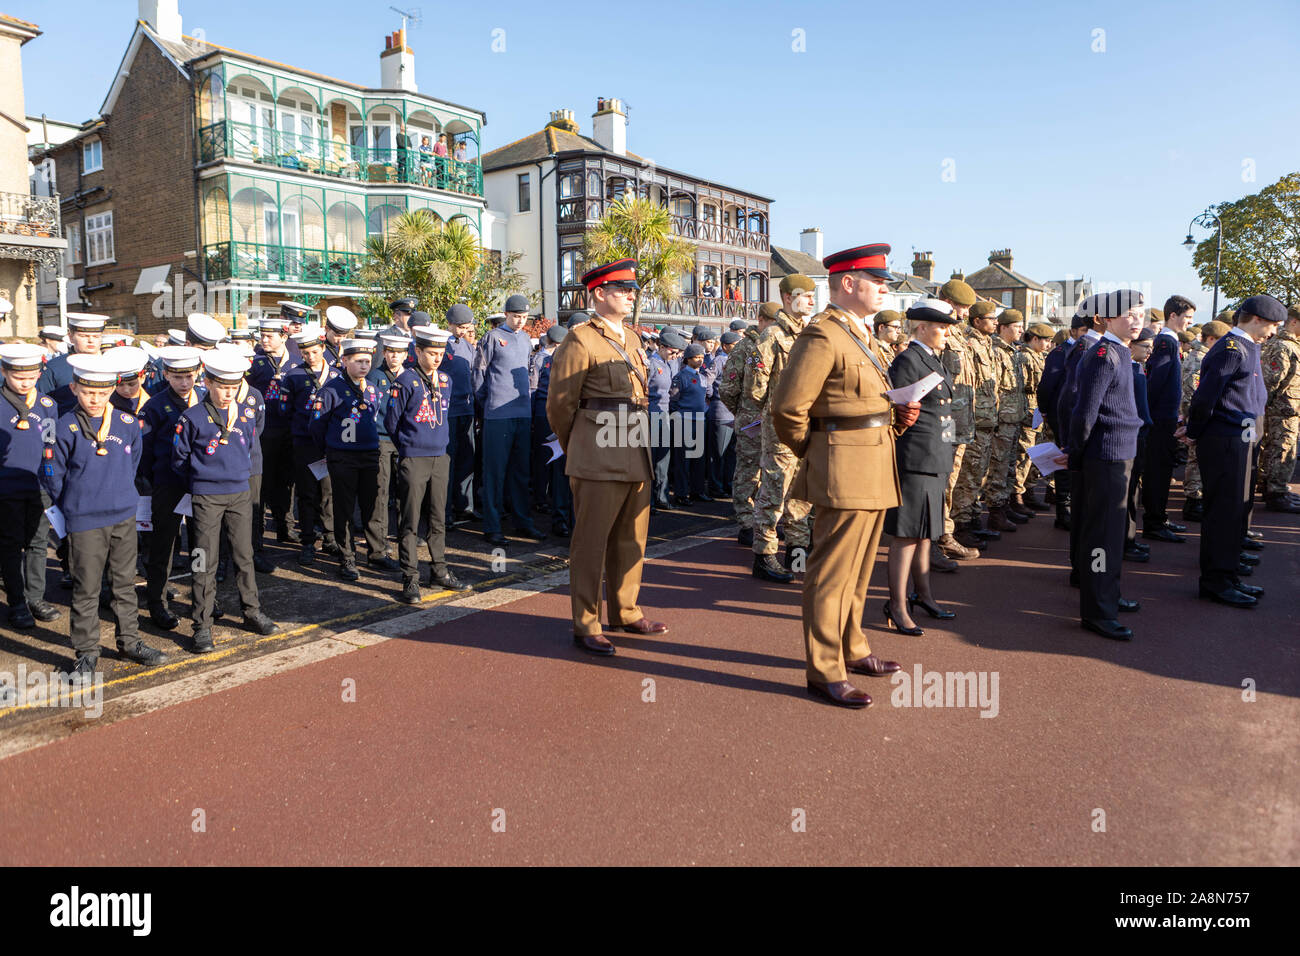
(162, 617)
(1250, 590)
(1193, 509)
(458, 520)
(910, 631)
(1126, 605)
(261, 563)
(410, 591)
(1244, 570)
(1229, 596)
(348, 570)
(680, 502)
(1254, 535)
(307, 556)
(21, 617)
(43, 611)
(1162, 533)
(1247, 558)
(83, 669)
(1250, 544)
(1062, 523)
(706, 499)
(142, 653)
(497, 540)
(936, 612)
(767, 568)
(531, 533)
(203, 641)
(1137, 554)
(1112, 629)
(987, 534)
(446, 579)
(382, 563)
(745, 537)
(1175, 526)
(259, 623)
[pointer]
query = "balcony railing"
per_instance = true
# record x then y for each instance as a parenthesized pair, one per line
(25, 215)
(694, 306)
(704, 230)
(255, 260)
(327, 157)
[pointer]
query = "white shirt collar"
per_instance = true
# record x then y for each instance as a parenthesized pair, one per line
(1236, 331)
(1112, 337)
(615, 328)
(1092, 335)
(923, 345)
(1169, 332)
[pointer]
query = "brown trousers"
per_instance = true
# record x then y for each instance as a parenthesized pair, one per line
(835, 589)
(611, 522)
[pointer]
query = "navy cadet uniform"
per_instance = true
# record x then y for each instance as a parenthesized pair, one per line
(1164, 375)
(1065, 412)
(345, 431)
(549, 475)
(1101, 445)
(24, 421)
(293, 313)
(1049, 393)
(156, 478)
(249, 397)
(212, 453)
(1224, 419)
(1137, 475)
(721, 425)
(708, 376)
(89, 474)
(340, 324)
(267, 376)
(383, 379)
(56, 378)
(458, 363)
(416, 418)
(539, 366)
(315, 497)
(688, 401)
(660, 381)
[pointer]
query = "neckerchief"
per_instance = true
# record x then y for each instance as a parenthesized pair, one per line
(97, 435)
(189, 401)
(214, 414)
(23, 405)
(359, 393)
(141, 397)
(432, 397)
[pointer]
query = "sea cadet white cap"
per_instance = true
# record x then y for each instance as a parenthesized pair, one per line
(21, 357)
(310, 335)
(340, 319)
(95, 370)
(51, 332)
(394, 341)
(203, 329)
(180, 358)
(356, 346)
(426, 335)
(176, 336)
(225, 366)
(127, 359)
(87, 321)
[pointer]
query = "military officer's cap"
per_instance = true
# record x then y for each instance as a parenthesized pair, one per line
(128, 360)
(407, 303)
(203, 329)
(958, 292)
(93, 370)
(769, 310)
(870, 259)
(797, 282)
(52, 333)
(86, 322)
(1214, 330)
(179, 358)
(21, 357)
(1264, 307)
(395, 341)
(516, 303)
(982, 308)
(357, 347)
(311, 334)
(294, 311)
(702, 333)
(672, 339)
(931, 310)
(459, 314)
(340, 319)
(225, 366)
(692, 350)
(738, 325)
(239, 335)
(730, 338)
(1146, 335)
(1111, 305)
(1011, 317)
(556, 333)
(620, 273)
(1155, 315)
(1186, 338)
(427, 336)
(1042, 330)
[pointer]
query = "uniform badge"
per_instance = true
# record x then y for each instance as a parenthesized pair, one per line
(212, 446)
(72, 426)
(101, 451)
(1101, 351)
(396, 392)
(46, 402)
(126, 419)
(1231, 346)
(23, 424)
(179, 428)
(502, 342)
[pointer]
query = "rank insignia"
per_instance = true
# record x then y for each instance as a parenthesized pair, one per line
(72, 427)
(1231, 346)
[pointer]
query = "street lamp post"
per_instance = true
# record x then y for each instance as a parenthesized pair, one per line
(1204, 220)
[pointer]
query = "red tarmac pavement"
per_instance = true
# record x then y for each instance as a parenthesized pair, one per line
(498, 712)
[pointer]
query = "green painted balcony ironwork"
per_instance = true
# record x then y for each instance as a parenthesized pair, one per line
(227, 139)
(256, 260)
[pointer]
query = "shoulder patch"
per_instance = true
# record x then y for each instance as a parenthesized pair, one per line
(1231, 346)
(72, 426)
(127, 419)
(46, 401)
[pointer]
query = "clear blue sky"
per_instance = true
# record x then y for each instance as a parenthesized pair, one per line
(1082, 162)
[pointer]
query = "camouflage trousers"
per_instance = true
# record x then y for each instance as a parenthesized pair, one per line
(1277, 453)
(974, 466)
(1192, 475)
(1002, 460)
(776, 470)
(1025, 472)
(744, 484)
(958, 453)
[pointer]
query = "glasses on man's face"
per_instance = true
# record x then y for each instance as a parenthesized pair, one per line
(894, 328)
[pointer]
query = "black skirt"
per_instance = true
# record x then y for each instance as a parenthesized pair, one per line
(920, 513)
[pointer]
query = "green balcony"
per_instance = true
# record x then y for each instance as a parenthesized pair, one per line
(276, 263)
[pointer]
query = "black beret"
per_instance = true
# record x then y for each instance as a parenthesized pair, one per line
(556, 334)
(1265, 307)
(420, 318)
(516, 303)
(692, 350)
(730, 338)
(1146, 335)
(459, 314)
(703, 333)
(1111, 305)
(738, 325)
(672, 339)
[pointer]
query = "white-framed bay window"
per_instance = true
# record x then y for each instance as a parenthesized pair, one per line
(99, 239)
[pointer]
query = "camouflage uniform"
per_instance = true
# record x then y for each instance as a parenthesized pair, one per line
(1280, 360)
(1032, 362)
(975, 463)
(959, 365)
(734, 392)
(777, 462)
(1191, 378)
(1011, 415)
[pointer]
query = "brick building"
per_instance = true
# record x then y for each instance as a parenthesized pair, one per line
(1011, 290)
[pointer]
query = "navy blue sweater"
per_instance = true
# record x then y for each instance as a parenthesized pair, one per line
(252, 398)
(20, 448)
(1231, 391)
(1164, 379)
(1051, 383)
(458, 363)
(298, 398)
(661, 381)
(206, 465)
(689, 392)
(93, 491)
(161, 413)
(501, 374)
(383, 381)
(1140, 395)
(718, 412)
(268, 378)
(1105, 421)
(56, 381)
(416, 417)
(338, 403)
(541, 381)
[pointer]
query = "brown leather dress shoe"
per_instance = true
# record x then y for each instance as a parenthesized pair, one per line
(872, 666)
(643, 626)
(842, 693)
(594, 644)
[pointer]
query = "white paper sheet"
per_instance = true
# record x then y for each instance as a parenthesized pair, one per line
(57, 523)
(319, 470)
(1042, 456)
(144, 514)
(1038, 419)
(185, 507)
(916, 391)
(553, 444)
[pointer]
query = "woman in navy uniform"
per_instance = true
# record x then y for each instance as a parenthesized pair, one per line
(212, 452)
(297, 398)
(416, 418)
(394, 348)
(89, 474)
(924, 453)
(26, 416)
(345, 430)
(1224, 420)
(267, 376)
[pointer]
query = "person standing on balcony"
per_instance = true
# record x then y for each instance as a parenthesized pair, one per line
(267, 376)
(458, 364)
(339, 324)
(404, 164)
(401, 310)
(501, 390)
(315, 495)
(85, 333)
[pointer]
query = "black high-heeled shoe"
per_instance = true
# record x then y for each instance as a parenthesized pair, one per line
(936, 612)
(889, 618)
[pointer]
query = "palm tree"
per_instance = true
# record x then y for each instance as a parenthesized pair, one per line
(636, 228)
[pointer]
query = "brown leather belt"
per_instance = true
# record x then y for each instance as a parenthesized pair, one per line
(610, 404)
(842, 424)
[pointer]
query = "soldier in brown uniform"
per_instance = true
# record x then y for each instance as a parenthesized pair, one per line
(975, 463)
(1280, 360)
(1013, 412)
(830, 408)
(958, 294)
(735, 392)
(597, 405)
(1034, 354)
